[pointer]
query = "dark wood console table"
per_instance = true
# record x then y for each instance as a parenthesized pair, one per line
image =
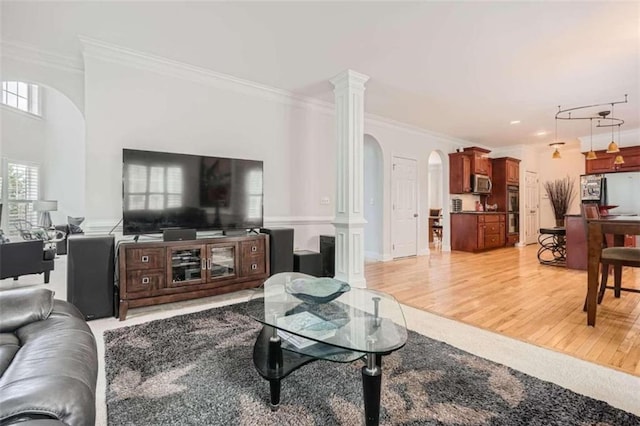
(152, 273)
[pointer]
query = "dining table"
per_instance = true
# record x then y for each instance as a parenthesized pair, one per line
(619, 226)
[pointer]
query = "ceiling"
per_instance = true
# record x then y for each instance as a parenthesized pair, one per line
(464, 69)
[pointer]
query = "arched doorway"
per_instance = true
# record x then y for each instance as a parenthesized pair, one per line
(436, 200)
(53, 143)
(373, 198)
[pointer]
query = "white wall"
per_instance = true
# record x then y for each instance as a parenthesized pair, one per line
(64, 166)
(55, 141)
(414, 144)
(129, 107)
(373, 198)
(149, 104)
(571, 164)
(23, 135)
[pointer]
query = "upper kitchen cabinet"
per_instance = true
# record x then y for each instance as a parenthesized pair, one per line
(604, 162)
(511, 169)
(459, 173)
(481, 163)
(471, 161)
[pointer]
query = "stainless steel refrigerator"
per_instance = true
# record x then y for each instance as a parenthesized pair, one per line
(593, 188)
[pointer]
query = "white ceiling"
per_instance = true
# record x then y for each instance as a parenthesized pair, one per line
(464, 69)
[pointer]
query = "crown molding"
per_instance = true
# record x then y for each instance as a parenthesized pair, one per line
(129, 57)
(98, 49)
(120, 55)
(28, 53)
(378, 120)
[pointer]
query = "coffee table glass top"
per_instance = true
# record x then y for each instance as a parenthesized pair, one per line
(355, 322)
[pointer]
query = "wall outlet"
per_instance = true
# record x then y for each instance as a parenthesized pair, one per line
(324, 201)
(371, 202)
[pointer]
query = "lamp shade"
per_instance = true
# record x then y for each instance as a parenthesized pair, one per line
(612, 148)
(45, 206)
(591, 155)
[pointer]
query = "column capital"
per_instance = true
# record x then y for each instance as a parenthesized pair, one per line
(349, 78)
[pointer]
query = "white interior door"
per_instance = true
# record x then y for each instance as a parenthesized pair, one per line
(531, 207)
(405, 207)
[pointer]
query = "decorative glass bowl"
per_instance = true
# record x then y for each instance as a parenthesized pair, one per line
(316, 290)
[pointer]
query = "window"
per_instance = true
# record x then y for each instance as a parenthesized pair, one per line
(20, 188)
(22, 96)
(153, 187)
(254, 189)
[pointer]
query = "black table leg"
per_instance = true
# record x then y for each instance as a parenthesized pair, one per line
(275, 363)
(371, 385)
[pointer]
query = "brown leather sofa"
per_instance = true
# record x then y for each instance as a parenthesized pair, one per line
(48, 361)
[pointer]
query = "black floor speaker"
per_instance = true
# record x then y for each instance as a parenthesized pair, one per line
(328, 252)
(90, 269)
(280, 249)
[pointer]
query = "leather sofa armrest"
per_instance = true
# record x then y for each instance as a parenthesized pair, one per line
(23, 420)
(24, 306)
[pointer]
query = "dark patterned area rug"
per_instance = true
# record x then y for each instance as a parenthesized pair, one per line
(197, 369)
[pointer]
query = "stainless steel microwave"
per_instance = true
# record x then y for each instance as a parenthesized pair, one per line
(480, 184)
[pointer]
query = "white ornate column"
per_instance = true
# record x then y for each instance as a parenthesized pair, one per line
(349, 222)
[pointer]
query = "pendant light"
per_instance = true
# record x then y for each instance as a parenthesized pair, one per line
(591, 155)
(612, 148)
(556, 153)
(619, 159)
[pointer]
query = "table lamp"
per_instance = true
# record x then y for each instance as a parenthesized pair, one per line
(44, 207)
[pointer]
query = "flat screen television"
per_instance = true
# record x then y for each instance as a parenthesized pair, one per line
(162, 190)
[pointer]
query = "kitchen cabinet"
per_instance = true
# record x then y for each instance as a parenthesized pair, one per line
(459, 173)
(604, 162)
(480, 161)
(506, 194)
(471, 161)
(168, 271)
(512, 167)
(481, 165)
(477, 231)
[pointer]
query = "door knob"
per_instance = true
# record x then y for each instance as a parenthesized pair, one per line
(415, 215)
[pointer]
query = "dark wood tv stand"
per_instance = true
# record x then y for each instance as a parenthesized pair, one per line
(151, 273)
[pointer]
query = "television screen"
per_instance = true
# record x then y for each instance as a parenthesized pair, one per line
(169, 191)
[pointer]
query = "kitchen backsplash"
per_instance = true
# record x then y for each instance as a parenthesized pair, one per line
(468, 200)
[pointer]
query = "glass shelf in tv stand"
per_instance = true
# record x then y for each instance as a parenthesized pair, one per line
(221, 262)
(187, 265)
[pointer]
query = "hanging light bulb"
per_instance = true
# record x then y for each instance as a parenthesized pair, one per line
(556, 153)
(612, 148)
(619, 159)
(591, 155)
(556, 144)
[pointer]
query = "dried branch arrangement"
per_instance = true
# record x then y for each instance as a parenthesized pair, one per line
(561, 193)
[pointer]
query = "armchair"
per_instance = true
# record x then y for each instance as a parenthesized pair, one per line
(25, 257)
(72, 227)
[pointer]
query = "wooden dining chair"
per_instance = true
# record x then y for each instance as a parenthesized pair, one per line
(611, 256)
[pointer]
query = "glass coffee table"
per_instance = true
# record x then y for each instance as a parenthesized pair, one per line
(314, 324)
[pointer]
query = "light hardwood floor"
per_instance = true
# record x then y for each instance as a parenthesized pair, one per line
(507, 291)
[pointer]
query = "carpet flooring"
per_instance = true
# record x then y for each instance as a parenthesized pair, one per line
(197, 369)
